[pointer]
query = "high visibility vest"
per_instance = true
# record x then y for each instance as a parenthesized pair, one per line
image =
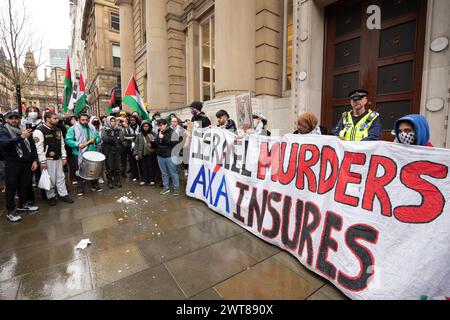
(352, 132)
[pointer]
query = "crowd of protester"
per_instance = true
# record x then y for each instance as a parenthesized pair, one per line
(149, 152)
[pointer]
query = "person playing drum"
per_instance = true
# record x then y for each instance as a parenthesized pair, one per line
(83, 137)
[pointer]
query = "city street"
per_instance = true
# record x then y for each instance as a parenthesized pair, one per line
(159, 247)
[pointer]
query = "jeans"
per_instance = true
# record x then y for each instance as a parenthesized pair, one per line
(169, 168)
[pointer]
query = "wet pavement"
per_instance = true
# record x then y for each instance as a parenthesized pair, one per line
(160, 247)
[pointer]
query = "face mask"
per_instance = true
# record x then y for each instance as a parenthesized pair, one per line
(255, 124)
(32, 115)
(195, 112)
(407, 138)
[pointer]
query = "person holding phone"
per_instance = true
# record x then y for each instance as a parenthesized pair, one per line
(19, 152)
(112, 145)
(32, 118)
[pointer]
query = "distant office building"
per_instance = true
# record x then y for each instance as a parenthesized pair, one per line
(58, 57)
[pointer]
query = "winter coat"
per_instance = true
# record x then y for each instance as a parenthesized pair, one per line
(141, 148)
(230, 125)
(203, 119)
(165, 145)
(112, 140)
(8, 147)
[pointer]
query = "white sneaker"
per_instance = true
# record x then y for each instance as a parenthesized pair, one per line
(100, 180)
(152, 183)
(134, 180)
(74, 183)
(164, 191)
(13, 216)
(27, 208)
(142, 183)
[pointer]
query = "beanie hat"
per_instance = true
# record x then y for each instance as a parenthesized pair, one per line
(197, 105)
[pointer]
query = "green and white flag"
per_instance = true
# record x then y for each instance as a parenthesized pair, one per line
(81, 97)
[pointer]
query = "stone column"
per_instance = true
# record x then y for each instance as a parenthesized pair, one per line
(435, 99)
(157, 54)
(193, 67)
(235, 46)
(127, 65)
(309, 26)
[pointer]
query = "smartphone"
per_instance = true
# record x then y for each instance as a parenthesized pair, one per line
(28, 126)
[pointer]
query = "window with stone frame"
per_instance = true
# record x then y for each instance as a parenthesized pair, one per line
(207, 59)
(115, 21)
(116, 55)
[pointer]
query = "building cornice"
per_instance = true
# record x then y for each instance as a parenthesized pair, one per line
(141, 53)
(196, 10)
(122, 2)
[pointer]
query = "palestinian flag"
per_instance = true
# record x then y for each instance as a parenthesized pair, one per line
(111, 101)
(81, 102)
(133, 99)
(67, 87)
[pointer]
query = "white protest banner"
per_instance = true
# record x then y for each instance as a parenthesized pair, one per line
(371, 217)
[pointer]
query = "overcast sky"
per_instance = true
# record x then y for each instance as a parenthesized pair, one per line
(50, 20)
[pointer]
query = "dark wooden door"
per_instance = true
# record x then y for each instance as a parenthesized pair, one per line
(387, 62)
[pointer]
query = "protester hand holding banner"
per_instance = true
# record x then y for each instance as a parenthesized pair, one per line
(371, 217)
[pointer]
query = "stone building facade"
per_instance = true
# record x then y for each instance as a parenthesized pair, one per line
(77, 51)
(42, 93)
(100, 32)
(292, 55)
(7, 88)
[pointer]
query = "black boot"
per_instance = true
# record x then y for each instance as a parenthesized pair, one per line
(110, 184)
(117, 182)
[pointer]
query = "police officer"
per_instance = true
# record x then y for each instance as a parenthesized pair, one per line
(359, 124)
(51, 152)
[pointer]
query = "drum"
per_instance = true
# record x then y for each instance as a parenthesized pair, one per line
(91, 167)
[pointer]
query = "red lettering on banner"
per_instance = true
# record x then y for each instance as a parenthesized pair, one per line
(268, 159)
(376, 186)
(433, 201)
(286, 178)
(304, 167)
(346, 176)
(328, 156)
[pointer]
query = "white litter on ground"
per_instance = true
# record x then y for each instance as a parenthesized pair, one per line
(126, 200)
(83, 244)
